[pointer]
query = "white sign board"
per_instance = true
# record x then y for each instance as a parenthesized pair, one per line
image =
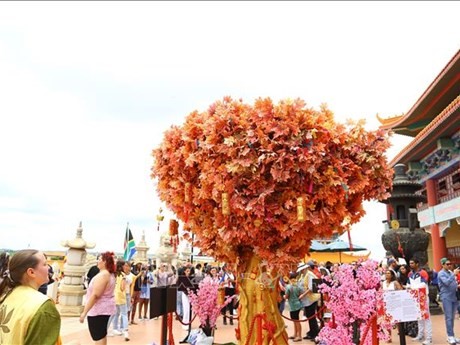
(402, 305)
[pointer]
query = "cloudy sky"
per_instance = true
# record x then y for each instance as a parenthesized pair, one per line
(87, 89)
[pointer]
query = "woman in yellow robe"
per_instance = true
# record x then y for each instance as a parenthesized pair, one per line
(26, 315)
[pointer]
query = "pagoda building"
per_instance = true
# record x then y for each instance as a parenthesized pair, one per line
(433, 161)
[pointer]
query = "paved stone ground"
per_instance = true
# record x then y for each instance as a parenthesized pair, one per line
(148, 332)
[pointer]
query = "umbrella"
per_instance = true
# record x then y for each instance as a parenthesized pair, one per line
(317, 246)
(342, 257)
(339, 246)
(343, 246)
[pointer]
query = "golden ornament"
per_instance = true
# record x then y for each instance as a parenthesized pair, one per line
(225, 204)
(301, 209)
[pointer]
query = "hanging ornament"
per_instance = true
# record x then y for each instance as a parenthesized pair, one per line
(173, 227)
(160, 218)
(400, 247)
(310, 187)
(225, 204)
(349, 239)
(301, 216)
(187, 189)
(253, 274)
(346, 221)
(257, 223)
(345, 188)
(174, 233)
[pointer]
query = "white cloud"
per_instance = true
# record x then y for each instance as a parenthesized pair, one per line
(87, 89)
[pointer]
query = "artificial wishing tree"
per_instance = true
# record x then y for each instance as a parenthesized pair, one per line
(256, 183)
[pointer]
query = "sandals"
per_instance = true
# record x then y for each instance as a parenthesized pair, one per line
(297, 339)
(291, 338)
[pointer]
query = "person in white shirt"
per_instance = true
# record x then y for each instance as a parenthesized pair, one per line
(390, 282)
(129, 278)
(418, 278)
(163, 275)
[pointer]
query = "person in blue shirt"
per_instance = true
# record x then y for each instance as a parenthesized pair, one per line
(448, 285)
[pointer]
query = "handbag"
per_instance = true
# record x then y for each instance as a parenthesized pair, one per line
(313, 297)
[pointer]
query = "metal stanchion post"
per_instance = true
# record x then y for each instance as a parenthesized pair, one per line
(402, 335)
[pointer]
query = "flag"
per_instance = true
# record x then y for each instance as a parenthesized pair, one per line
(129, 246)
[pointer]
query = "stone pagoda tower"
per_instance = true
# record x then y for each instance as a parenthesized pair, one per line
(403, 236)
(71, 289)
(141, 250)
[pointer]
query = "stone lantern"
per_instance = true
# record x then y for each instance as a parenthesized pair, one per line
(71, 289)
(141, 250)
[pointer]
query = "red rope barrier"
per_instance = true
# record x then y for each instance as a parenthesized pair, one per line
(233, 317)
(320, 310)
(178, 318)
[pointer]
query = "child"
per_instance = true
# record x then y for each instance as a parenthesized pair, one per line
(293, 295)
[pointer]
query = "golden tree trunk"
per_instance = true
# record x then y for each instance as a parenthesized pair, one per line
(258, 291)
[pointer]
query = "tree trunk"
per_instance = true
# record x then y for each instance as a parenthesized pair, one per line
(258, 293)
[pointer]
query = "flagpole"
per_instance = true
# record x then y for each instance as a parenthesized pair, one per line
(126, 241)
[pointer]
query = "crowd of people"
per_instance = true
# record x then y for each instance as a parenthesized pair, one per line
(446, 283)
(131, 284)
(118, 295)
(117, 292)
(298, 291)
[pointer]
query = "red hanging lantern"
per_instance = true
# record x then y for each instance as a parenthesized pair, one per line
(310, 187)
(174, 233)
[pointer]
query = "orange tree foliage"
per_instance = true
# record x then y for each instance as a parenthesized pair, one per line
(265, 156)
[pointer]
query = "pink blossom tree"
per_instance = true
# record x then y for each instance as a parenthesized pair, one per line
(354, 295)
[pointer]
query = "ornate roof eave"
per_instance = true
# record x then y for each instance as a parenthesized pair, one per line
(405, 155)
(415, 119)
(407, 195)
(407, 183)
(389, 121)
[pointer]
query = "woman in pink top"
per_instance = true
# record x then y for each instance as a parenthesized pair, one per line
(100, 304)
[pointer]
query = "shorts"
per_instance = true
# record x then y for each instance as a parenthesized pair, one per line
(135, 297)
(145, 292)
(295, 314)
(98, 326)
